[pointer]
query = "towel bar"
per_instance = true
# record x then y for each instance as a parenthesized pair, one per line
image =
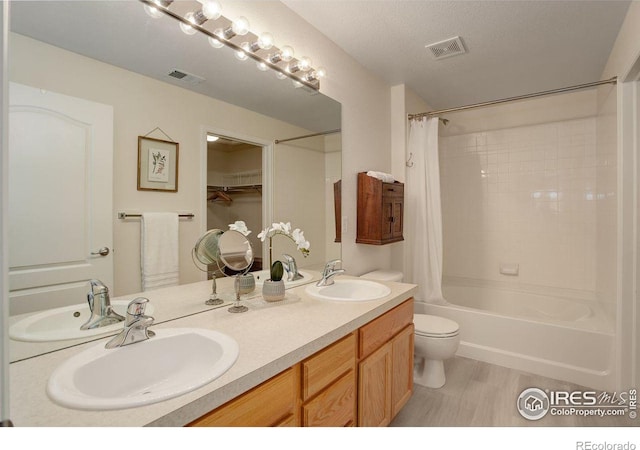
(124, 215)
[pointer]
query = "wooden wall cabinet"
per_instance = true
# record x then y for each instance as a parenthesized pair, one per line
(363, 379)
(380, 211)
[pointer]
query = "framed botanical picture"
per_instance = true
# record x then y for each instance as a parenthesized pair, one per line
(157, 165)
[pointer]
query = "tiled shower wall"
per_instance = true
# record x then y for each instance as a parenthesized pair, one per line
(524, 196)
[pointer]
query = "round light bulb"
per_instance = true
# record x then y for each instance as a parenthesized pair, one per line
(240, 26)
(211, 9)
(286, 53)
(188, 29)
(265, 41)
(304, 63)
(242, 54)
(262, 66)
(320, 72)
(215, 43)
(153, 11)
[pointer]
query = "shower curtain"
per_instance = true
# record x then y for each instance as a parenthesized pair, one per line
(423, 254)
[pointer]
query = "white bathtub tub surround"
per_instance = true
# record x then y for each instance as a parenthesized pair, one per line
(555, 337)
(271, 339)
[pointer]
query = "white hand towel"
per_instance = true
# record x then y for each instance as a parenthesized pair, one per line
(159, 250)
(386, 177)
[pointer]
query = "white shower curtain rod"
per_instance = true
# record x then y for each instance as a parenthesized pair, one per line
(613, 80)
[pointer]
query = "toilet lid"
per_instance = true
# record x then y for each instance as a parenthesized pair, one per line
(427, 325)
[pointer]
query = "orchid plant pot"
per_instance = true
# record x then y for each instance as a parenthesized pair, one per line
(273, 291)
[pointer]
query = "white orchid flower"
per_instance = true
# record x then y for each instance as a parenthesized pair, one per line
(263, 234)
(296, 235)
(240, 226)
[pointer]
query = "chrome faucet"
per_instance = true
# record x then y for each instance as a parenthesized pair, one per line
(292, 268)
(329, 272)
(135, 326)
(102, 314)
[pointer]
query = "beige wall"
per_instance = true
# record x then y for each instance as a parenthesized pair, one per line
(299, 177)
(140, 105)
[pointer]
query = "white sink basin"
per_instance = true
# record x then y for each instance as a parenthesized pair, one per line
(262, 275)
(64, 323)
(172, 363)
(349, 291)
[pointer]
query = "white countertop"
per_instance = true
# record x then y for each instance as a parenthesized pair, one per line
(272, 338)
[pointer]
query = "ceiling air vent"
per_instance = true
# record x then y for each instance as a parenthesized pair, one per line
(447, 48)
(185, 77)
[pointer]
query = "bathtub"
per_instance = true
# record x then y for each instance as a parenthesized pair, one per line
(555, 337)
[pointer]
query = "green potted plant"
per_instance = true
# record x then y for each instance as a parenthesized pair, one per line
(273, 288)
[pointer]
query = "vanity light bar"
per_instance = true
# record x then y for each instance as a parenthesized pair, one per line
(301, 75)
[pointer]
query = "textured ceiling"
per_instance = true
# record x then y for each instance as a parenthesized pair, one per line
(514, 47)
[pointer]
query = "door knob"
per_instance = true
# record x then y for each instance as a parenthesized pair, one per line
(104, 251)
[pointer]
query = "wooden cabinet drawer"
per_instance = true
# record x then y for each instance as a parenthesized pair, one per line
(377, 332)
(335, 406)
(392, 189)
(271, 403)
(324, 367)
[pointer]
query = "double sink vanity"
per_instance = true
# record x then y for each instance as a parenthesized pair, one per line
(341, 355)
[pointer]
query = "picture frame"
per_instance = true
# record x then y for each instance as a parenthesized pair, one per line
(157, 165)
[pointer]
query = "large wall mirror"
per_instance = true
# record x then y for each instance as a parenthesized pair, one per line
(114, 55)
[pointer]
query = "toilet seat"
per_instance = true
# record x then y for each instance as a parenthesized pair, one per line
(434, 326)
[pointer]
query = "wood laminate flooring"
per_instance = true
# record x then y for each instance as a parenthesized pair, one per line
(478, 394)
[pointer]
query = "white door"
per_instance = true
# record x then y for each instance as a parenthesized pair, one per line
(60, 198)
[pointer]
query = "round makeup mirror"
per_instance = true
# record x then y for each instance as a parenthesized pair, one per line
(206, 252)
(236, 253)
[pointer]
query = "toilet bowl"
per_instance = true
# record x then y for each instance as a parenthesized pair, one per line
(436, 339)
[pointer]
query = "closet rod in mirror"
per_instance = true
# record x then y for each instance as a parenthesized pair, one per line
(279, 141)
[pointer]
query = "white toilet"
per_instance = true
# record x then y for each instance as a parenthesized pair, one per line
(436, 339)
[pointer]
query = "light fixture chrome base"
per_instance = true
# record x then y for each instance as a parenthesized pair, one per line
(214, 302)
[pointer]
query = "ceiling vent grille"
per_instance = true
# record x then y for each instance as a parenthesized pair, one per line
(185, 77)
(447, 48)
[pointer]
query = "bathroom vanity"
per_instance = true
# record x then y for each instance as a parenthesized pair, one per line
(303, 362)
